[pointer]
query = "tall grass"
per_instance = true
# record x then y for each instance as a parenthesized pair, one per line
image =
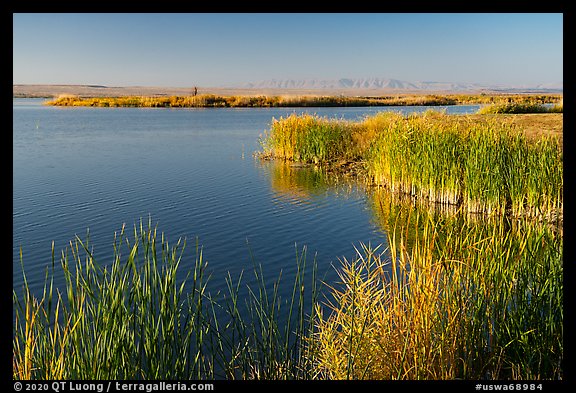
(462, 301)
(519, 108)
(298, 184)
(127, 320)
(486, 166)
(309, 138)
(135, 319)
(447, 299)
(417, 157)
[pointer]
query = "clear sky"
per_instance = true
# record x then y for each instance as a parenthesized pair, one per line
(226, 50)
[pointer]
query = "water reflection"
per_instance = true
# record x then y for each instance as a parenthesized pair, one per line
(301, 184)
(391, 213)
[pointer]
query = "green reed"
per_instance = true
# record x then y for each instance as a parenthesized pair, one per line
(487, 166)
(135, 319)
(448, 298)
(462, 299)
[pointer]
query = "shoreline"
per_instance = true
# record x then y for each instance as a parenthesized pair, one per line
(496, 104)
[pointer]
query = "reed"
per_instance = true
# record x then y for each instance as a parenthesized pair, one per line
(487, 166)
(308, 138)
(462, 301)
(416, 157)
(298, 184)
(519, 108)
(448, 298)
(136, 319)
(558, 106)
(212, 100)
(126, 320)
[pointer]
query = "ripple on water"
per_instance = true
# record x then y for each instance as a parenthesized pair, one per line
(97, 169)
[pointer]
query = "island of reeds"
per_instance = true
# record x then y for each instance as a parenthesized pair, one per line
(534, 102)
(480, 163)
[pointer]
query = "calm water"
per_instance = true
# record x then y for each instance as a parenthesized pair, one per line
(192, 172)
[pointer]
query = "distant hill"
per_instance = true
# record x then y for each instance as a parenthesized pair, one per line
(345, 87)
(393, 84)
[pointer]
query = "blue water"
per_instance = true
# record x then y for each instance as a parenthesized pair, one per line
(192, 172)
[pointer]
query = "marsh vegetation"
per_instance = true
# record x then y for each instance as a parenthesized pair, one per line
(485, 166)
(249, 101)
(448, 298)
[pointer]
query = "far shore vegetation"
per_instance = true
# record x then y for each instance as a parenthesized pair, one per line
(219, 101)
(521, 107)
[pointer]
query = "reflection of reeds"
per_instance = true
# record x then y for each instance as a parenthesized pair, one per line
(297, 183)
(462, 301)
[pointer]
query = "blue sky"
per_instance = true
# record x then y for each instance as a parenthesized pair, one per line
(220, 50)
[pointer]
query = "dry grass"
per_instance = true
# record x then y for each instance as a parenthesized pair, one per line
(533, 125)
(249, 101)
(459, 301)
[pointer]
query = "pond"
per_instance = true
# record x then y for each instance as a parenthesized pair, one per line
(192, 173)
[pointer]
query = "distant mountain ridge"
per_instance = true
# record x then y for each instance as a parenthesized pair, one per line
(391, 84)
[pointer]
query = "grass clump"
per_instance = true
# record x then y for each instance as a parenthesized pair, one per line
(309, 139)
(519, 108)
(137, 318)
(463, 301)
